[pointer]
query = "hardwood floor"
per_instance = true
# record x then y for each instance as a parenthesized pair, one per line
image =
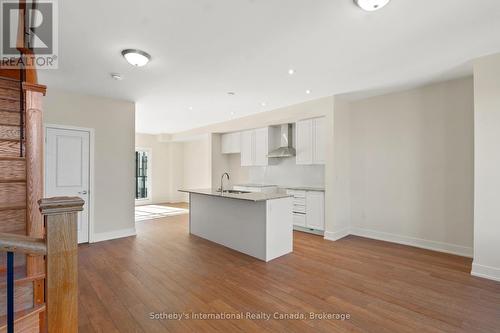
(384, 287)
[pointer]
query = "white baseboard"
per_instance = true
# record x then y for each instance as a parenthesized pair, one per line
(417, 242)
(487, 272)
(104, 236)
(335, 236)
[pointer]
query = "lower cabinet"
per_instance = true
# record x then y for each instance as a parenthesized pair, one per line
(315, 210)
(308, 209)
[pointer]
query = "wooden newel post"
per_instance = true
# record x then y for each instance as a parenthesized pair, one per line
(61, 287)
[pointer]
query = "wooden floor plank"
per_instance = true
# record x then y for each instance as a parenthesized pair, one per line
(384, 287)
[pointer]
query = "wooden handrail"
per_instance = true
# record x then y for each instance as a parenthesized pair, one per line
(22, 244)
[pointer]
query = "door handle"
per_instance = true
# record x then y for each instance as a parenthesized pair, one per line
(83, 192)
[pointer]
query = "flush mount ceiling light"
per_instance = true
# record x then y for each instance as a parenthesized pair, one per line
(371, 5)
(135, 57)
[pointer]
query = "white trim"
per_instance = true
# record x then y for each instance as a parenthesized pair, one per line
(121, 233)
(417, 242)
(149, 199)
(91, 167)
(487, 272)
(335, 236)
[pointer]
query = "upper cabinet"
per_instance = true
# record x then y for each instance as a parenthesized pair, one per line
(255, 145)
(230, 143)
(310, 137)
(247, 148)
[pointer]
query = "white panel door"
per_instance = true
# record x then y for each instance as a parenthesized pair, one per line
(67, 170)
(261, 147)
(303, 142)
(315, 210)
(319, 144)
(247, 148)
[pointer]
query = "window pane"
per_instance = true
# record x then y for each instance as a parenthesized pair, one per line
(141, 175)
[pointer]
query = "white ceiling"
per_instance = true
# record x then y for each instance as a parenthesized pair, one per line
(203, 49)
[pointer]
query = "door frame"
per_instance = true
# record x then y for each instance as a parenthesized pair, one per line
(91, 132)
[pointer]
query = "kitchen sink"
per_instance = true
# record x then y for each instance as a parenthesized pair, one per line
(234, 192)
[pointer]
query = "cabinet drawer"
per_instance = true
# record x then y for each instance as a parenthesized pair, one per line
(299, 201)
(299, 219)
(299, 209)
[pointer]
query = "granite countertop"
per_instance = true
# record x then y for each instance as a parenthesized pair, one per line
(260, 196)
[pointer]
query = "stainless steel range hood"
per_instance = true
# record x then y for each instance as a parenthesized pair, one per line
(286, 148)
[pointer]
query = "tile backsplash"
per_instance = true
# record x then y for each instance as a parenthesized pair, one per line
(286, 173)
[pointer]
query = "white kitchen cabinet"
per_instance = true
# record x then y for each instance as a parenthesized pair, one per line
(315, 210)
(261, 147)
(308, 209)
(230, 143)
(310, 143)
(303, 142)
(247, 148)
(255, 146)
(319, 140)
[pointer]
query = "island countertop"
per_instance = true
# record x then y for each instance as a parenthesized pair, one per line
(253, 196)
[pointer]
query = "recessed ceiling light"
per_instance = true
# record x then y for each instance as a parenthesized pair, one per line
(308, 91)
(371, 5)
(135, 57)
(291, 71)
(190, 108)
(116, 76)
(263, 104)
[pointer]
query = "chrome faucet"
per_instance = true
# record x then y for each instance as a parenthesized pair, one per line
(222, 183)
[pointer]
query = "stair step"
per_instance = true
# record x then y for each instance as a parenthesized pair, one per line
(10, 118)
(13, 221)
(19, 264)
(23, 298)
(12, 193)
(25, 321)
(10, 132)
(10, 148)
(20, 280)
(10, 93)
(14, 170)
(10, 105)
(12, 206)
(10, 83)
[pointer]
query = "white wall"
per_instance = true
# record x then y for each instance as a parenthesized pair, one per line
(197, 162)
(412, 166)
(487, 168)
(114, 125)
(167, 168)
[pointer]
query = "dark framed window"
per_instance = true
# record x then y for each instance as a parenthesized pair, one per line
(142, 181)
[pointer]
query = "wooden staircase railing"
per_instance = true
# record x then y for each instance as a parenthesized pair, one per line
(44, 273)
(60, 248)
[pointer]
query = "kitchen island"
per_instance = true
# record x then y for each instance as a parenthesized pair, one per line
(257, 224)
